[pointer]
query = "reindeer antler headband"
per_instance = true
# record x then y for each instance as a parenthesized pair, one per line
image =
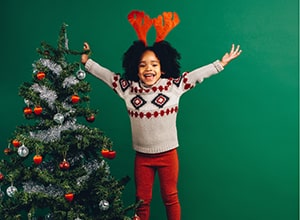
(163, 24)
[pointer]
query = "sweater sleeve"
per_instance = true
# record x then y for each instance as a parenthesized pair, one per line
(199, 74)
(112, 79)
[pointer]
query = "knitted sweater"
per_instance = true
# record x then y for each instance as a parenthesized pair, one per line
(153, 110)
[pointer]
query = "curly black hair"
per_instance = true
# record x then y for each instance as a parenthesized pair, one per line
(167, 55)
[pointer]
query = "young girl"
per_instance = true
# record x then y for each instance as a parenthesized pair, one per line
(151, 88)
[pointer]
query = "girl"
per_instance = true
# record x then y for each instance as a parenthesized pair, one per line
(151, 88)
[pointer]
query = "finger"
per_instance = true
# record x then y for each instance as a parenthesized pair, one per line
(237, 49)
(86, 46)
(232, 48)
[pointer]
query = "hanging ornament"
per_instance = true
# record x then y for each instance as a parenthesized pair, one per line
(59, 118)
(75, 99)
(1, 177)
(136, 217)
(64, 165)
(69, 197)
(11, 190)
(109, 154)
(77, 218)
(7, 150)
(37, 159)
(40, 75)
(90, 118)
(80, 74)
(104, 205)
(23, 151)
(38, 110)
(16, 143)
(27, 111)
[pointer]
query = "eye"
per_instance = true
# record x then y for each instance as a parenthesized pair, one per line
(142, 65)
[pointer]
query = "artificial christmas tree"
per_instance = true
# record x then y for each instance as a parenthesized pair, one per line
(57, 166)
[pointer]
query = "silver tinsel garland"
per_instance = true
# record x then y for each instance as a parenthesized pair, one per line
(31, 187)
(53, 134)
(45, 93)
(70, 81)
(54, 67)
(55, 191)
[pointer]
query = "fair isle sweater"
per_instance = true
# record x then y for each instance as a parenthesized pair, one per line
(153, 110)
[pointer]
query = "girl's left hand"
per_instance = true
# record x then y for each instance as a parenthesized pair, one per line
(234, 53)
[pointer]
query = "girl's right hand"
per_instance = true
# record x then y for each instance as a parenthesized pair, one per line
(85, 56)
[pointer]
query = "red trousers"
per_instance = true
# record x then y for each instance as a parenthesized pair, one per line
(166, 164)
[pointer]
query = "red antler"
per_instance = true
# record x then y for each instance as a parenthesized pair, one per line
(141, 22)
(164, 24)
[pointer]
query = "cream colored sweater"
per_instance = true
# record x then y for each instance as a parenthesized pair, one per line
(153, 111)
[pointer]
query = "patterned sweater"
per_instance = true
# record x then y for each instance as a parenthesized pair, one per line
(153, 110)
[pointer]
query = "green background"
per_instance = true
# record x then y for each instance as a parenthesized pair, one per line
(238, 131)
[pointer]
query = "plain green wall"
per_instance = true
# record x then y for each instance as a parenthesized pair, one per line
(238, 131)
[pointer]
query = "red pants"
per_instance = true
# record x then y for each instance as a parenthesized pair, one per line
(166, 164)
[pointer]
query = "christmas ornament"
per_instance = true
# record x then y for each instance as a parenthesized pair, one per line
(103, 205)
(27, 111)
(59, 118)
(16, 143)
(23, 151)
(75, 99)
(80, 74)
(11, 190)
(90, 118)
(1, 177)
(77, 218)
(69, 197)
(40, 75)
(37, 110)
(7, 150)
(111, 154)
(37, 159)
(136, 217)
(104, 153)
(64, 165)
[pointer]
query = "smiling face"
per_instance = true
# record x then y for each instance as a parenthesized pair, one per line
(149, 68)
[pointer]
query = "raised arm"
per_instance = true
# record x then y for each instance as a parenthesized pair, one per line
(228, 57)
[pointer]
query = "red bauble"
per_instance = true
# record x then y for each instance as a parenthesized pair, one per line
(75, 99)
(64, 165)
(16, 143)
(104, 153)
(37, 159)
(136, 217)
(40, 75)
(7, 150)
(90, 118)
(1, 177)
(37, 110)
(69, 197)
(111, 154)
(27, 111)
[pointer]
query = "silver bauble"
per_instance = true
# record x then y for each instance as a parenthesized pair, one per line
(59, 118)
(10, 191)
(80, 74)
(23, 151)
(103, 205)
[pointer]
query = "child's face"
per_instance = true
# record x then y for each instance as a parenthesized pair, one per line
(149, 68)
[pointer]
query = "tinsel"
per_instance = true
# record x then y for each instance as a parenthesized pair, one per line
(53, 133)
(46, 94)
(90, 167)
(54, 67)
(31, 187)
(70, 81)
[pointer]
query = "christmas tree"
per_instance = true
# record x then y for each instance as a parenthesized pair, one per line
(56, 167)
